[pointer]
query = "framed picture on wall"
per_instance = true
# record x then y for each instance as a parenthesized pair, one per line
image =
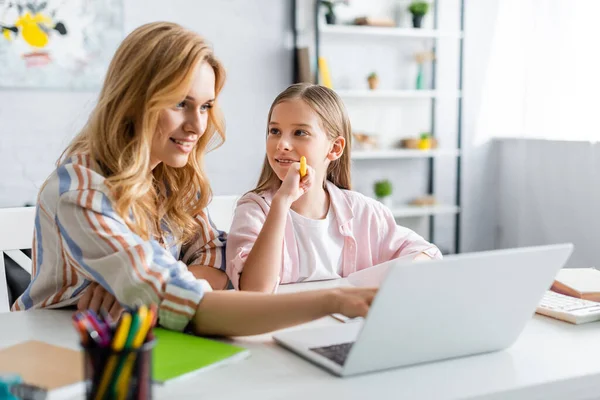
(58, 44)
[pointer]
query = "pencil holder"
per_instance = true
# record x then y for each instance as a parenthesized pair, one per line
(125, 374)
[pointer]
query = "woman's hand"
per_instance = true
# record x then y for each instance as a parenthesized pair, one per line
(229, 313)
(352, 302)
(96, 298)
(294, 186)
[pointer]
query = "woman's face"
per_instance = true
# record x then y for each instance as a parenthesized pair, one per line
(181, 126)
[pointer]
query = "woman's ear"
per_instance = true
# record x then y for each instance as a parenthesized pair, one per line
(337, 148)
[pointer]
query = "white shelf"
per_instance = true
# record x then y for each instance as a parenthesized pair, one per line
(422, 211)
(376, 31)
(394, 94)
(402, 153)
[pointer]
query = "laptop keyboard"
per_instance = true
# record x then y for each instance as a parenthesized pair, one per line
(336, 353)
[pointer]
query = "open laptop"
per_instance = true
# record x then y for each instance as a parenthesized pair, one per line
(433, 310)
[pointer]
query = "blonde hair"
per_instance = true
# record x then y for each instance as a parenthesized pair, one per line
(152, 70)
(334, 119)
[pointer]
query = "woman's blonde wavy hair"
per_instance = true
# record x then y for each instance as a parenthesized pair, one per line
(152, 70)
(334, 119)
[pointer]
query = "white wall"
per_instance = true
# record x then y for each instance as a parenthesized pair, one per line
(548, 192)
(249, 37)
(253, 43)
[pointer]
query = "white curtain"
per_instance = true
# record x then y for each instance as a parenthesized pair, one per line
(543, 78)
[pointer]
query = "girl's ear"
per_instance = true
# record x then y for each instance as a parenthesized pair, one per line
(337, 148)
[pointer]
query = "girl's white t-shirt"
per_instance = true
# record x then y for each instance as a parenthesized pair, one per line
(320, 246)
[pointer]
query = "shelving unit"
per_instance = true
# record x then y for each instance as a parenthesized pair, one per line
(393, 36)
(402, 153)
(423, 211)
(383, 32)
(394, 94)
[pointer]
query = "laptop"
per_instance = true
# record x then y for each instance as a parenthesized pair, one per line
(434, 310)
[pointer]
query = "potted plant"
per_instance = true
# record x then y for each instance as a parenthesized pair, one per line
(383, 191)
(330, 14)
(418, 9)
(373, 80)
(424, 141)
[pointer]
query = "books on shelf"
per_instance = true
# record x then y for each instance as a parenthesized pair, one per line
(178, 355)
(583, 283)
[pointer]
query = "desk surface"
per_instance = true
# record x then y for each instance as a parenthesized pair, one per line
(550, 360)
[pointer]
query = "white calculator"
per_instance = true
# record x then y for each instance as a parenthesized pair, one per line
(569, 309)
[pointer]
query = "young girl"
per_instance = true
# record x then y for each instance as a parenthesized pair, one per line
(125, 209)
(292, 228)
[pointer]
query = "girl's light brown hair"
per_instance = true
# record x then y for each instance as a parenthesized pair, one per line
(334, 120)
(152, 70)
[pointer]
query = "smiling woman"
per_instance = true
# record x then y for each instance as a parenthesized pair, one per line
(123, 216)
(181, 126)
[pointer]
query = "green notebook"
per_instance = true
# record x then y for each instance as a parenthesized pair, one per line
(177, 355)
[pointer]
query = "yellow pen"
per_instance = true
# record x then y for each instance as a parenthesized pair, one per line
(146, 317)
(117, 345)
(302, 166)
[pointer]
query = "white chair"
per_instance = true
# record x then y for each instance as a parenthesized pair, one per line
(221, 210)
(16, 232)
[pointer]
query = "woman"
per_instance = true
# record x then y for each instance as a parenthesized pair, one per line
(125, 208)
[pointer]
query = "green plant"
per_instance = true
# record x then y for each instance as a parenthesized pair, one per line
(418, 7)
(425, 135)
(372, 75)
(331, 4)
(383, 188)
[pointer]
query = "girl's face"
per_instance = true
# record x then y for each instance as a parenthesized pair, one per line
(295, 130)
(181, 126)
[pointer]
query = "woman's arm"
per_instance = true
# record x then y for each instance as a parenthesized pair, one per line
(229, 313)
(101, 246)
(244, 313)
(205, 254)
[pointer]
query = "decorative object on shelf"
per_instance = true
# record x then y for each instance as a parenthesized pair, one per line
(325, 77)
(424, 201)
(383, 192)
(373, 80)
(413, 143)
(370, 21)
(418, 9)
(424, 141)
(303, 60)
(421, 58)
(364, 141)
(330, 17)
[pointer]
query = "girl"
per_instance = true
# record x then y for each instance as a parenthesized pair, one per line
(292, 229)
(125, 208)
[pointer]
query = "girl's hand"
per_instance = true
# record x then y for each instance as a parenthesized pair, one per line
(293, 187)
(352, 302)
(97, 298)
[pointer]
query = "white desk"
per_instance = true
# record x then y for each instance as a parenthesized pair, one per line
(551, 360)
